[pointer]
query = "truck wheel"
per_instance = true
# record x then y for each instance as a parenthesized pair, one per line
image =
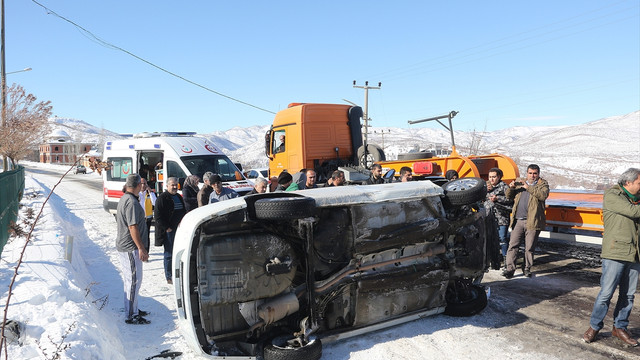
(465, 191)
(374, 153)
(285, 208)
(281, 349)
(416, 155)
(464, 299)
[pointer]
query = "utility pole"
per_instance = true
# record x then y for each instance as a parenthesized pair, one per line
(3, 74)
(382, 134)
(365, 115)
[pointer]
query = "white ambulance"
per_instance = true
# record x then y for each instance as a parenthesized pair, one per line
(159, 156)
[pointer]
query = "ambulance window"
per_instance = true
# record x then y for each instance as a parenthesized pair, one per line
(217, 164)
(226, 169)
(174, 170)
(120, 169)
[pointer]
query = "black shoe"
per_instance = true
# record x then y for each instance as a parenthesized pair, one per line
(142, 312)
(527, 273)
(508, 274)
(137, 320)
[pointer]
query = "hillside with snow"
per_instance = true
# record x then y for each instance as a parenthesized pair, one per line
(588, 156)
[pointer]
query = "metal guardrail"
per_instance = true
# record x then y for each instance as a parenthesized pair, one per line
(11, 190)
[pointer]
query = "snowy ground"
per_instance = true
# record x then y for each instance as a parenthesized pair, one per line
(74, 309)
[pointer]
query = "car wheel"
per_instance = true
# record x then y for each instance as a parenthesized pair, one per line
(465, 190)
(285, 208)
(465, 299)
(282, 349)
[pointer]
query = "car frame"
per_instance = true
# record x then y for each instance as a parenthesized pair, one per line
(374, 256)
(81, 169)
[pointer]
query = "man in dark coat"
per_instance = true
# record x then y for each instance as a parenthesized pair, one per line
(168, 213)
(376, 175)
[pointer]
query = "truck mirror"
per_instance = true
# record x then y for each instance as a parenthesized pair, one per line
(267, 144)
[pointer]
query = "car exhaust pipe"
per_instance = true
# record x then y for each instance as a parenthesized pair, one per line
(278, 308)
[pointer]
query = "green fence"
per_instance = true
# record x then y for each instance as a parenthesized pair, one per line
(11, 189)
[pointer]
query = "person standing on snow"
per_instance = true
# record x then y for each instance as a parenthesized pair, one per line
(528, 218)
(620, 257)
(499, 205)
(132, 230)
(147, 199)
(168, 213)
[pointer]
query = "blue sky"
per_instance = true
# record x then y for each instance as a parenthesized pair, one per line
(499, 63)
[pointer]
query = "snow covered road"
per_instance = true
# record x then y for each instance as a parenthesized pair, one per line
(75, 309)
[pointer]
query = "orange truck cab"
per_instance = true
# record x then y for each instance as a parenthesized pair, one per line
(322, 137)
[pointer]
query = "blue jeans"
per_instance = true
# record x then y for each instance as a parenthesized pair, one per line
(168, 253)
(615, 273)
(504, 241)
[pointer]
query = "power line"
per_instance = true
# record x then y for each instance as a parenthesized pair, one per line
(115, 47)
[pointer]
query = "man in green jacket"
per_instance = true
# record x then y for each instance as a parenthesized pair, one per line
(528, 218)
(620, 257)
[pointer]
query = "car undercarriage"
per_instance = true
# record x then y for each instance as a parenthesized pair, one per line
(272, 275)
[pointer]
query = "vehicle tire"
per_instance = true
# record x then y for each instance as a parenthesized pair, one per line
(465, 191)
(374, 153)
(467, 301)
(416, 155)
(278, 349)
(284, 208)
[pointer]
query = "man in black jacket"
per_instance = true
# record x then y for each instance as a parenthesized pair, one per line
(168, 213)
(376, 175)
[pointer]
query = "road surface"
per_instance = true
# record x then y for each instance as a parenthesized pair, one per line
(542, 317)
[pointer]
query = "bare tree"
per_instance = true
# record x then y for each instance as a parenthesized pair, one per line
(26, 124)
(476, 145)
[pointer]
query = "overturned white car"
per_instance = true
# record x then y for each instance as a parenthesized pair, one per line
(272, 275)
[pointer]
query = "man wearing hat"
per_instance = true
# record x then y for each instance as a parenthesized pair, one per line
(219, 192)
(285, 182)
(132, 229)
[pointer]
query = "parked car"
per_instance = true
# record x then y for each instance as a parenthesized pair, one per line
(273, 275)
(81, 169)
(257, 173)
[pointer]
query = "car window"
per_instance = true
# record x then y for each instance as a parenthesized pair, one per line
(253, 174)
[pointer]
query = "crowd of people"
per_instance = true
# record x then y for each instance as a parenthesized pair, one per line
(519, 206)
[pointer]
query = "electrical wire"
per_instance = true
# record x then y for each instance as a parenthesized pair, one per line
(104, 43)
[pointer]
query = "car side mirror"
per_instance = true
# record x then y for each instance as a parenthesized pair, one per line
(388, 176)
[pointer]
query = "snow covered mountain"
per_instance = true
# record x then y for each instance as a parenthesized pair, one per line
(588, 155)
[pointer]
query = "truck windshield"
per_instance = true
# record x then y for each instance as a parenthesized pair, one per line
(217, 164)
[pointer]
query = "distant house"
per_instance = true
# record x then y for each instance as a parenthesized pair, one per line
(60, 148)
